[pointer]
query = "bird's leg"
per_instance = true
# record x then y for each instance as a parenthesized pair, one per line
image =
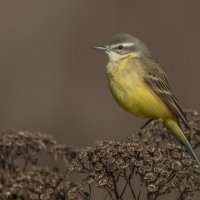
(138, 131)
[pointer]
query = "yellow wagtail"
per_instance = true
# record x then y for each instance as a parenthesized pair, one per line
(140, 86)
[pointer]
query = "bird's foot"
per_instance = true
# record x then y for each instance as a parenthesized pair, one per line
(132, 137)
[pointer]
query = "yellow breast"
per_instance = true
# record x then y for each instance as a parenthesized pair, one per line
(126, 82)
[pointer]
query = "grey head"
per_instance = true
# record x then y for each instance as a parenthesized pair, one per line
(124, 44)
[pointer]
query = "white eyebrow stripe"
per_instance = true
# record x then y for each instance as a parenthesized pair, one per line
(128, 44)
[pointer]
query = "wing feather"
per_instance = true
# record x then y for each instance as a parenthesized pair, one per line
(157, 81)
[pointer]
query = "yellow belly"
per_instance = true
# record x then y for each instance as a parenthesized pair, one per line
(136, 97)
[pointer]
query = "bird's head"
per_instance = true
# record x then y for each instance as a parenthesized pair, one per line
(123, 45)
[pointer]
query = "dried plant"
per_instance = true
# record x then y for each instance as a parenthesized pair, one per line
(148, 166)
(21, 174)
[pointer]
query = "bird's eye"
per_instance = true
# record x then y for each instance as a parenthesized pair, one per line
(120, 47)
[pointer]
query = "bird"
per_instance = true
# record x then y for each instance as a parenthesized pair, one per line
(141, 87)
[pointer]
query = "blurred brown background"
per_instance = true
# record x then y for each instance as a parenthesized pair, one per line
(52, 80)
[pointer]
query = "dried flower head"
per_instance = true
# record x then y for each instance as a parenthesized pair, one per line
(162, 166)
(150, 165)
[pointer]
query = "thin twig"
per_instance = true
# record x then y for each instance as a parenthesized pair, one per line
(115, 189)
